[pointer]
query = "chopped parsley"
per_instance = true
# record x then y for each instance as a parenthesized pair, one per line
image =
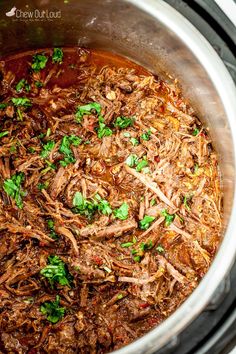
(144, 224)
(169, 218)
(31, 149)
(49, 167)
(160, 249)
(21, 101)
(126, 134)
(12, 187)
(53, 234)
(153, 201)
(122, 212)
(146, 136)
(39, 62)
(134, 141)
(65, 149)
(126, 245)
(139, 253)
(195, 132)
(132, 160)
(146, 246)
(57, 56)
(124, 122)
(129, 244)
(57, 272)
(186, 199)
(103, 130)
(75, 140)
(143, 163)
(3, 105)
(47, 148)
(88, 208)
(52, 310)
(104, 207)
(83, 206)
(87, 109)
(23, 85)
(38, 84)
(13, 149)
(42, 186)
(137, 259)
(2, 134)
(120, 296)
(48, 132)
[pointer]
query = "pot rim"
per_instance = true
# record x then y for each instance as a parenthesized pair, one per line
(224, 85)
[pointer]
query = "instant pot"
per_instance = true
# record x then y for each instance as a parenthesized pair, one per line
(193, 41)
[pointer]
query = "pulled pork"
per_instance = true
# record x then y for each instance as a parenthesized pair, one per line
(110, 201)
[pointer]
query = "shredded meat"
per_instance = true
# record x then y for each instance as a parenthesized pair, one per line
(110, 202)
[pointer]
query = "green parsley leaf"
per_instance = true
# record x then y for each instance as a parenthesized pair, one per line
(124, 122)
(160, 249)
(23, 84)
(42, 186)
(13, 149)
(12, 187)
(65, 149)
(129, 244)
(83, 206)
(122, 212)
(39, 62)
(132, 160)
(146, 136)
(48, 132)
(38, 84)
(103, 130)
(126, 134)
(146, 246)
(153, 201)
(104, 207)
(52, 310)
(31, 149)
(21, 101)
(126, 245)
(186, 202)
(169, 218)
(120, 296)
(56, 272)
(50, 166)
(195, 132)
(137, 259)
(2, 134)
(143, 247)
(3, 105)
(87, 109)
(134, 141)
(143, 163)
(47, 148)
(75, 140)
(144, 224)
(57, 56)
(53, 234)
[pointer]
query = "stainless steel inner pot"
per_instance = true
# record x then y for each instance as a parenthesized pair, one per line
(154, 35)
